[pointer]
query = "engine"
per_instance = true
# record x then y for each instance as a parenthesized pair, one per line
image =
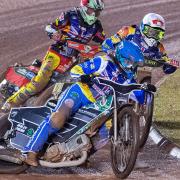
(70, 150)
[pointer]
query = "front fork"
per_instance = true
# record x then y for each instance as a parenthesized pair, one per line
(144, 110)
(115, 139)
(140, 110)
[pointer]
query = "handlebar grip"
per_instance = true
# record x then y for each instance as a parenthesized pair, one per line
(149, 87)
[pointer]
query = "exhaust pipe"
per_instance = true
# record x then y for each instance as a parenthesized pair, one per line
(65, 163)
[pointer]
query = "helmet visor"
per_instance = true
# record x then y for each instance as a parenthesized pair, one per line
(155, 33)
(130, 64)
(93, 12)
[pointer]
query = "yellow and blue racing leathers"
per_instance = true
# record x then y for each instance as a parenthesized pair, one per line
(80, 94)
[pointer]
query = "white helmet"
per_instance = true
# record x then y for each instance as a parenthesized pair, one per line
(152, 28)
(90, 10)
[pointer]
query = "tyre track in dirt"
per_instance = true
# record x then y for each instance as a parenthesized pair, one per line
(22, 38)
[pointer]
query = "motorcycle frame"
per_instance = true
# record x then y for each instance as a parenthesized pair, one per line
(114, 139)
(148, 103)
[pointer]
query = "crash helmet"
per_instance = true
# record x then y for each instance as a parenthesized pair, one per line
(129, 56)
(90, 10)
(152, 28)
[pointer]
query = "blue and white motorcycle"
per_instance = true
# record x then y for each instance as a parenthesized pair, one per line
(72, 144)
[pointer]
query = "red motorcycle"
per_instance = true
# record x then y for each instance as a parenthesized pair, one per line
(19, 75)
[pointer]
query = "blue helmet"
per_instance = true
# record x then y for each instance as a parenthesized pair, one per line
(129, 56)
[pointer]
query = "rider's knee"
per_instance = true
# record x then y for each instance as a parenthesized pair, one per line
(57, 120)
(59, 117)
(51, 60)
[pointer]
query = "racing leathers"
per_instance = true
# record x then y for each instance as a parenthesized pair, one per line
(81, 94)
(153, 55)
(71, 26)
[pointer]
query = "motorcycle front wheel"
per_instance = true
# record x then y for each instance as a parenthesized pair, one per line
(124, 151)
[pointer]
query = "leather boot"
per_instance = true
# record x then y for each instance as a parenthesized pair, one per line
(31, 159)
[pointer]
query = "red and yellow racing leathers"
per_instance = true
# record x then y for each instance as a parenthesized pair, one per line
(71, 26)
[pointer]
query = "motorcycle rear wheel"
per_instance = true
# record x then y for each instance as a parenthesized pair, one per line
(42, 98)
(4, 124)
(5, 166)
(124, 153)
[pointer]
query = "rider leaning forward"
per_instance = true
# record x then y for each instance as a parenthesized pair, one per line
(81, 25)
(122, 70)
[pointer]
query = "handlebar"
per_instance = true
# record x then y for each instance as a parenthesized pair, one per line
(125, 88)
(160, 62)
(121, 88)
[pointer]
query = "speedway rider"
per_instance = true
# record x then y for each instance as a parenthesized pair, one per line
(79, 24)
(122, 70)
(148, 37)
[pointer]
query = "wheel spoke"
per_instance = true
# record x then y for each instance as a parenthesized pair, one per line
(125, 139)
(126, 148)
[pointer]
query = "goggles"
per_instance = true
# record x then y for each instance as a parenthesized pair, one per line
(130, 64)
(155, 33)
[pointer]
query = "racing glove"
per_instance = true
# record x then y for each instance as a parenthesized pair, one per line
(151, 87)
(169, 69)
(148, 87)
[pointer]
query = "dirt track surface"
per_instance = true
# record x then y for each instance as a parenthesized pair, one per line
(22, 38)
(154, 165)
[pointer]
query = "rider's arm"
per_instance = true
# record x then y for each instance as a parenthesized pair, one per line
(110, 43)
(167, 68)
(163, 61)
(91, 67)
(100, 35)
(151, 63)
(58, 24)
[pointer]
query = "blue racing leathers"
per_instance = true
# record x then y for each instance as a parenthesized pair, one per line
(151, 54)
(80, 94)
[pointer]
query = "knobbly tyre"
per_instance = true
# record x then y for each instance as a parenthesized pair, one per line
(72, 144)
(19, 75)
